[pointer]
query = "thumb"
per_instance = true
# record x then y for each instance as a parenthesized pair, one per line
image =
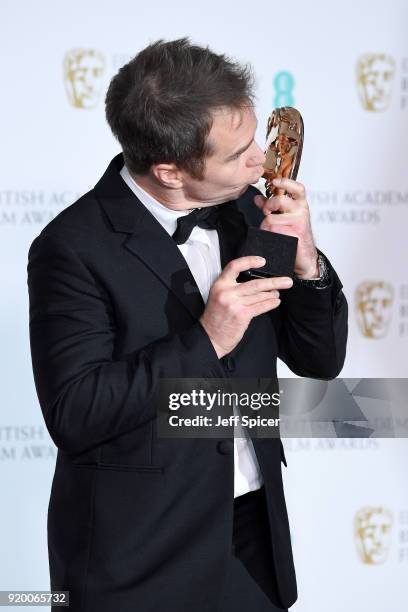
(267, 206)
(260, 201)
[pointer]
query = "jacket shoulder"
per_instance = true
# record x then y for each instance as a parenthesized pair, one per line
(82, 217)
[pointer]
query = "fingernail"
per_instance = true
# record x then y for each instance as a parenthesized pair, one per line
(287, 282)
(262, 260)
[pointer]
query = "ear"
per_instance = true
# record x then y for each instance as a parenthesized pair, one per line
(168, 175)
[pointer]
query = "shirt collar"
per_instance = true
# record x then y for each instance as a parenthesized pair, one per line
(165, 216)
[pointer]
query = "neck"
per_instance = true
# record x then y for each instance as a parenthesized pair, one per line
(174, 199)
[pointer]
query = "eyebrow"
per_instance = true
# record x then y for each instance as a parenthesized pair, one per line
(239, 151)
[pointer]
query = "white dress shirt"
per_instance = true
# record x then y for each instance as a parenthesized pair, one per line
(202, 254)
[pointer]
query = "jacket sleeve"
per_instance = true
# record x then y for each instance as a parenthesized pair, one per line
(312, 327)
(86, 396)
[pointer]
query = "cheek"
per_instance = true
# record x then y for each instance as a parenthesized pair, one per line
(224, 177)
(237, 174)
(231, 177)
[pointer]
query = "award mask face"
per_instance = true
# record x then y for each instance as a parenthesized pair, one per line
(284, 142)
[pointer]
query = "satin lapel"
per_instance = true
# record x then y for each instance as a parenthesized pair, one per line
(153, 245)
(232, 230)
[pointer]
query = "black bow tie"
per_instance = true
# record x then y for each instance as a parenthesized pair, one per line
(205, 218)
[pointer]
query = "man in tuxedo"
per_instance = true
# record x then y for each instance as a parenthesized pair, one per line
(136, 282)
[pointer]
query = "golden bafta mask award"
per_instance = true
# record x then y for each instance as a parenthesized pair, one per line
(284, 142)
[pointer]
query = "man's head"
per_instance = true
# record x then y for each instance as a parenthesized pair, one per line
(184, 118)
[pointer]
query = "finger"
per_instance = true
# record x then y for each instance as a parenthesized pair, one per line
(271, 187)
(285, 230)
(285, 218)
(263, 306)
(260, 201)
(278, 192)
(249, 300)
(279, 203)
(258, 285)
(235, 266)
(294, 188)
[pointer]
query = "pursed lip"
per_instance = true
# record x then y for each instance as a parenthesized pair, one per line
(259, 176)
(257, 179)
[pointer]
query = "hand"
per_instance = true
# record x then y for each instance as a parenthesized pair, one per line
(293, 220)
(231, 305)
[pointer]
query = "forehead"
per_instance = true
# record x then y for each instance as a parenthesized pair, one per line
(231, 129)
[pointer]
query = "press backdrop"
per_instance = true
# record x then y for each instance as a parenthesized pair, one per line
(345, 66)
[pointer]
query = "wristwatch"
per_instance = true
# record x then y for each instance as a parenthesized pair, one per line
(317, 283)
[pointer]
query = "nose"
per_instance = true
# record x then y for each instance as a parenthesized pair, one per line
(257, 156)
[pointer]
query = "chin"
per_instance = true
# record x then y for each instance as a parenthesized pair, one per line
(243, 190)
(238, 192)
(234, 195)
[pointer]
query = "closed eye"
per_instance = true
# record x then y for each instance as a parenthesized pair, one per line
(239, 152)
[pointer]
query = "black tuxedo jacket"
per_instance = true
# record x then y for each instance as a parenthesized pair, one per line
(135, 521)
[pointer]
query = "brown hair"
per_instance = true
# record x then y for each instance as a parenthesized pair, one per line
(159, 105)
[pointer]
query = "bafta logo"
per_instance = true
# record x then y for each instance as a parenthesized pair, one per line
(375, 73)
(83, 76)
(373, 302)
(372, 533)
